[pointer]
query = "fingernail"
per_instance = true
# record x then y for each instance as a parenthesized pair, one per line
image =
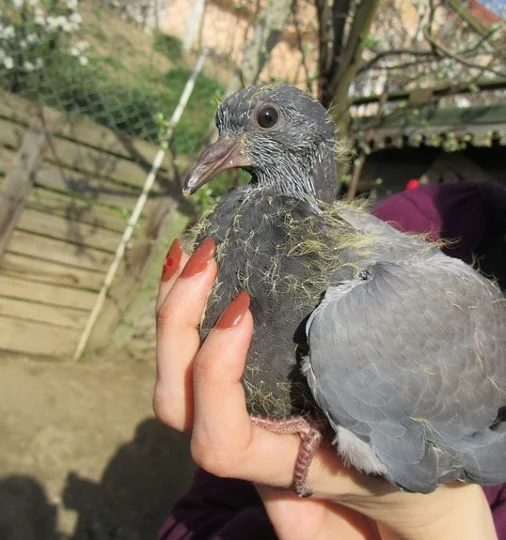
(198, 262)
(172, 260)
(235, 311)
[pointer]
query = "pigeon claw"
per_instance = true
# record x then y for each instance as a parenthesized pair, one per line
(311, 436)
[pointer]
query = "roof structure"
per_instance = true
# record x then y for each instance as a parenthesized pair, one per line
(451, 128)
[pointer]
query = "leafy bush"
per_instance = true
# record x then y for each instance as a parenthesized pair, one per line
(170, 46)
(33, 34)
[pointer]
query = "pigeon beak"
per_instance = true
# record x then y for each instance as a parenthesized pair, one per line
(223, 154)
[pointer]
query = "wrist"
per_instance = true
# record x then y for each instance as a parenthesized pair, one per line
(459, 511)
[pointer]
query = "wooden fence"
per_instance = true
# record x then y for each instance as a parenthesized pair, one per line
(66, 189)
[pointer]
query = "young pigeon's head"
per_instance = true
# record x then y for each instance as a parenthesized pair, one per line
(282, 136)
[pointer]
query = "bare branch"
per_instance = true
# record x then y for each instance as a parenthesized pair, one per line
(465, 14)
(367, 64)
(450, 54)
(300, 46)
(352, 53)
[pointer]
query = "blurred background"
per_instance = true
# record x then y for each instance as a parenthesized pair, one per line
(91, 166)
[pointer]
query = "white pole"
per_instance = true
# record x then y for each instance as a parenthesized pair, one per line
(141, 201)
(193, 23)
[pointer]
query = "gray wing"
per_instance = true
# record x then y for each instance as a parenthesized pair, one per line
(411, 359)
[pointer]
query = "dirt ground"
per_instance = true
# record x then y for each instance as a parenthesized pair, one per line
(81, 455)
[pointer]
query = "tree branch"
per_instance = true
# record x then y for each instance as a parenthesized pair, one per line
(450, 54)
(367, 64)
(465, 14)
(300, 45)
(350, 57)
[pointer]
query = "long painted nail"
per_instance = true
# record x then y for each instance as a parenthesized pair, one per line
(198, 262)
(234, 312)
(172, 260)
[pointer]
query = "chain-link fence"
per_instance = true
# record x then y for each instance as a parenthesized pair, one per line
(106, 60)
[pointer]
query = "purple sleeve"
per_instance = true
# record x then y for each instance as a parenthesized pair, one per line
(453, 212)
(496, 497)
(218, 509)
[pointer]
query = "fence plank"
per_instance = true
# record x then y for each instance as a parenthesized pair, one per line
(21, 111)
(81, 185)
(144, 262)
(18, 182)
(59, 251)
(31, 268)
(96, 163)
(70, 230)
(72, 155)
(65, 205)
(34, 311)
(12, 135)
(48, 294)
(34, 338)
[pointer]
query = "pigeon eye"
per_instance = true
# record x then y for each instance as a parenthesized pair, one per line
(267, 117)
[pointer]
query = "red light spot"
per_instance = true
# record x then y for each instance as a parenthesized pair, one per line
(412, 184)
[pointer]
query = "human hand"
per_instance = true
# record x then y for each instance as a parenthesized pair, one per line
(198, 390)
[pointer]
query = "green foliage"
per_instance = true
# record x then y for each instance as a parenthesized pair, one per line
(108, 61)
(209, 195)
(199, 112)
(170, 46)
(33, 35)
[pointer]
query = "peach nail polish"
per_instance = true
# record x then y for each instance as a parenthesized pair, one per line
(235, 311)
(200, 259)
(172, 260)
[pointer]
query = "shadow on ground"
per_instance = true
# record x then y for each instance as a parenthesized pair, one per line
(25, 511)
(139, 485)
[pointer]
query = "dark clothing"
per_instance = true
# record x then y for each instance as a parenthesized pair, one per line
(218, 509)
(226, 509)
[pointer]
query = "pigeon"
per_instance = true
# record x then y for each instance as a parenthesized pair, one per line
(365, 338)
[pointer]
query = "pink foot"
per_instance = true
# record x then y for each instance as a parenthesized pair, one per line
(311, 434)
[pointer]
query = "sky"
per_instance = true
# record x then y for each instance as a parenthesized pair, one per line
(499, 6)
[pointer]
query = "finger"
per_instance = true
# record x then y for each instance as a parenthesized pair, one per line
(219, 399)
(178, 338)
(174, 262)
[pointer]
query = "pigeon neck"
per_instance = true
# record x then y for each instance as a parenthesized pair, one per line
(314, 175)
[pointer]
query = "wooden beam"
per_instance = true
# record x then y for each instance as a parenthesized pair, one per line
(17, 185)
(437, 91)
